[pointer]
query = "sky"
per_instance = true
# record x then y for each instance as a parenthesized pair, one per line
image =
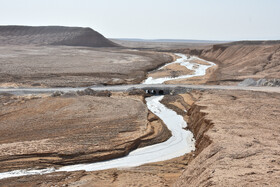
(153, 19)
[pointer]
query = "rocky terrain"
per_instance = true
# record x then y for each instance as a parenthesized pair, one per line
(260, 82)
(52, 35)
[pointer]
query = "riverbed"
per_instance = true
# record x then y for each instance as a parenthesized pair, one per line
(185, 61)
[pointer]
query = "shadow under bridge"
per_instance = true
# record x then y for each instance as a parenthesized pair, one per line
(165, 90)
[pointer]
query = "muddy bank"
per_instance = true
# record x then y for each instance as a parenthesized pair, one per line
(43, 131)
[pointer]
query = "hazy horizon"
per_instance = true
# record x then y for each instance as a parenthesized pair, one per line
(218, 20)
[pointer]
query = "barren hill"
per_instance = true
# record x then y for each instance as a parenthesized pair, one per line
(52, 35)
(246, 60)
(243, 59)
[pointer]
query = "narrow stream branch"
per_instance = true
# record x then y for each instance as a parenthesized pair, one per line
(188, 62)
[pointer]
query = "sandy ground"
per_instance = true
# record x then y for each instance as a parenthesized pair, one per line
(70, 66)
(196, 80)
(172, 70)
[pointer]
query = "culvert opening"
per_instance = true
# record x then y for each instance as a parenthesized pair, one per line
(160, 92)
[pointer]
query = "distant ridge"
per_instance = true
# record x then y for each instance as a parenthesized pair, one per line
(171, 40)
(254, 42)
(53, 35)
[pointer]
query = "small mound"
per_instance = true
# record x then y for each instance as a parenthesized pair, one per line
(53, 35)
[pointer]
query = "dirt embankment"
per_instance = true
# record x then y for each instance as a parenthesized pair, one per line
(240, 60)
(39, 132)
(237, 140)
(53, 35)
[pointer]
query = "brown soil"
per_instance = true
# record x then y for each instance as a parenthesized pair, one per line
(172, 70)
(196, 80)
(47, 131)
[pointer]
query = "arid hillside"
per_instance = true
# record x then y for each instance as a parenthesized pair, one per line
(241, 60)
(52, 35)
(237, 140)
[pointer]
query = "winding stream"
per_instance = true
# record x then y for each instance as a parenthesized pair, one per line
(180, 143)
(199, 69)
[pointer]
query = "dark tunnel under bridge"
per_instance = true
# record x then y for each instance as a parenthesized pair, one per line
(157, 91)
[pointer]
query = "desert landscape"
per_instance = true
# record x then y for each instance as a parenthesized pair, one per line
(132, 112)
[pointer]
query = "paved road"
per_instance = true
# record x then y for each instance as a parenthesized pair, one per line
(196, 87)
(23, 91)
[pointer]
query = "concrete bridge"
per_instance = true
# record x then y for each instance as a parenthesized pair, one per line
(172, 89)
(168, 90)
(159, 89)
(157, 92)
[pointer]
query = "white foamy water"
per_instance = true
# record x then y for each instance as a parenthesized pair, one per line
(24, 172)
(199, 69)
(180, 143)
